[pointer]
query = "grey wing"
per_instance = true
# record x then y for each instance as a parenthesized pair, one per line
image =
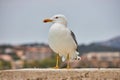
(74, 38)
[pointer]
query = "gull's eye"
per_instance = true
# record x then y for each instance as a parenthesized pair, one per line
(56, 17)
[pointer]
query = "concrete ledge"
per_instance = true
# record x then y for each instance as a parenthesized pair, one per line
(60, 74)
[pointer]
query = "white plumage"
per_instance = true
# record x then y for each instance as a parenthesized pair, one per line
(61, 39)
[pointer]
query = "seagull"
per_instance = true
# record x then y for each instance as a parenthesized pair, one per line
(62, 40)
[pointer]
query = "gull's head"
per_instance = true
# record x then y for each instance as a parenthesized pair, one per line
(57, 19)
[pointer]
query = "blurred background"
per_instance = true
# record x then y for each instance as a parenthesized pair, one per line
(23, 35)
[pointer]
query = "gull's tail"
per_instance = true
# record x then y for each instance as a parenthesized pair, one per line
(72, 56)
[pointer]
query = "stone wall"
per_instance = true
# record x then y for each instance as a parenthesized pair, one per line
(61, 74)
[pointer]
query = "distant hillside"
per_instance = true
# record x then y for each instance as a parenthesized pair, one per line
(114, 43)
(109, 45)
(95, 48)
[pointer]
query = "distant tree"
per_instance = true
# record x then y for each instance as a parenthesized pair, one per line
(5, 65)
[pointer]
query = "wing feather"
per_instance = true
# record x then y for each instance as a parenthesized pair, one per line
(74, 38)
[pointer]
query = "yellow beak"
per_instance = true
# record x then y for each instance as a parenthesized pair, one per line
(47, 20)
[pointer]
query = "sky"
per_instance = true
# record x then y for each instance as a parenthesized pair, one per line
(21, 21)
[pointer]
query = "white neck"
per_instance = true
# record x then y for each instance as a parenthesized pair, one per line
(56, 25)
(62, 23)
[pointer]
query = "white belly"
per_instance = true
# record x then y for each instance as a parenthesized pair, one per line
(60, 41)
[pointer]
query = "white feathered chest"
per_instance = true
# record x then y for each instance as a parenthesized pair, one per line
(60, 39)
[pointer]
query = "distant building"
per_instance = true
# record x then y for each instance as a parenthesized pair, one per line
(103, 56)
(38, 53)
(9, 50)
(6, 57)
(20, 54)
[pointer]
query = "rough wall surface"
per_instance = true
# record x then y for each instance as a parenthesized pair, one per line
(60, 74)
